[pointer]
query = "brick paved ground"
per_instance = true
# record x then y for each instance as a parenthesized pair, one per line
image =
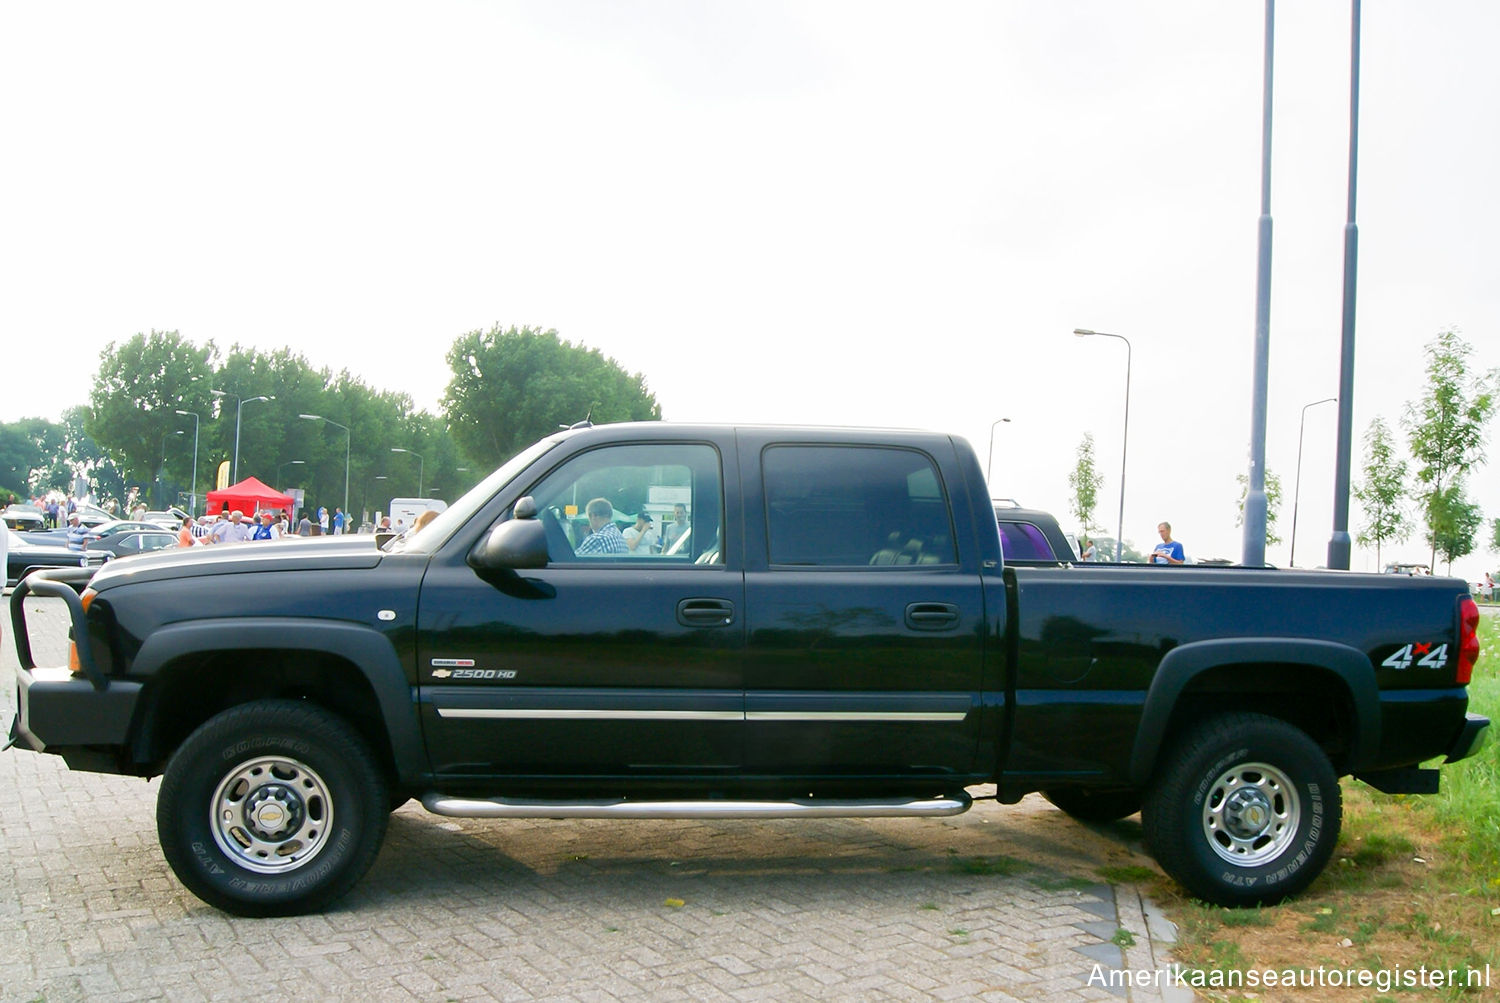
(986, 905)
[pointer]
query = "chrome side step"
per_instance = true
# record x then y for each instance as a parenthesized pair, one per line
(440, 804)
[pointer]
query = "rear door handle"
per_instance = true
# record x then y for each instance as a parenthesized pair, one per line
(931, 615)
(705, 612)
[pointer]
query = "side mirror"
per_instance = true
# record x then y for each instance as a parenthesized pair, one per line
(516, 544)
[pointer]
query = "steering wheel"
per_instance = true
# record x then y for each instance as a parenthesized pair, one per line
(558, 547)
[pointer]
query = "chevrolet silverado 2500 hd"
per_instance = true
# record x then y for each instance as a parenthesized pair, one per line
(828, 628)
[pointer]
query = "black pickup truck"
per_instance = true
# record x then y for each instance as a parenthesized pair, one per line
(826, 628)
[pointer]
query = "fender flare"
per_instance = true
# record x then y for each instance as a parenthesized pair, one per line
(1185, 663)
(370, 651)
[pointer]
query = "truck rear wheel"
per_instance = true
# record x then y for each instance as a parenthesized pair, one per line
(1245, 810)
(272, 808)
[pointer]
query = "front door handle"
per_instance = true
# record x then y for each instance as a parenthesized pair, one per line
(931, 615)
(705, 612)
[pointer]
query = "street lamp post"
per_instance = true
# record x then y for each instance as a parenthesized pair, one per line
(1125, 442)
(161, 490)
(1297, 491)
(990, 455)
(398, 449)
(289, 463)
(348, 441)
(193, 503)
(374, 483)
(234, 474)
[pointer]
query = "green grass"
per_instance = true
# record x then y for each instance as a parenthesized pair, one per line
(1061, 883)
(1132, 875)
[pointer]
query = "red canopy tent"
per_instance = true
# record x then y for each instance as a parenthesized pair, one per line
(247, 496)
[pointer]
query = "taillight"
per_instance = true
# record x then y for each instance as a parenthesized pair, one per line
(1468, 639)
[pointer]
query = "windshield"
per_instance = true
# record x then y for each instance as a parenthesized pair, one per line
(431, 536)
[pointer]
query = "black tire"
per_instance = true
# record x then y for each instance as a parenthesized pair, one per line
(272, 762)
(1089, 805)
(1245, 810)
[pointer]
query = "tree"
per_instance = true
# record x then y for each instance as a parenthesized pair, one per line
(87, 460)
(1085, 480)
(1495, 535)
(26, 447)
(1382, 491)
(140, 384)
(511, 387)
(1273, 504)
(1453, 523)
(1446, 428)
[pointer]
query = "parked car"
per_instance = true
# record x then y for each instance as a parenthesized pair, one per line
(171, 518)
(1030, 536)
(117, 526)
(23, 557)
(57, 537)
(135, 541)
(25, 518)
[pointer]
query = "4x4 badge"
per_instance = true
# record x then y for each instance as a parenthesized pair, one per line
(1427, 656)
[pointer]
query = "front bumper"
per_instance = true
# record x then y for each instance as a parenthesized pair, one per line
(84, 717)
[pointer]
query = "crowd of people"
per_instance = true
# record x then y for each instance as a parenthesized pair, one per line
(265, 524)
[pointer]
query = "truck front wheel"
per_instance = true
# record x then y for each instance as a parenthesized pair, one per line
(1245, 810)
(272, 808)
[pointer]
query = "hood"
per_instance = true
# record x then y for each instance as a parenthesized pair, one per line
(292, 554)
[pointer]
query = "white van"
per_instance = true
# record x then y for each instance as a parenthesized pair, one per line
(404, 511)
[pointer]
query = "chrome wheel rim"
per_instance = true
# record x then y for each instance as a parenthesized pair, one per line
(271, 815)
(1251, 814)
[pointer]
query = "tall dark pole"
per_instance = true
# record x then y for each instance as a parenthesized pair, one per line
(1338, 544)
(1254, 553)
(1297, 492)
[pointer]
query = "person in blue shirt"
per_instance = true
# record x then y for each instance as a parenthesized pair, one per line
(1168, 551)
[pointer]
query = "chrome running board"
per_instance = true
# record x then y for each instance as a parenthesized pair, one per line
(440, 804)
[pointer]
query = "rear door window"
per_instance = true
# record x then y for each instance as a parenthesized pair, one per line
(855, 506)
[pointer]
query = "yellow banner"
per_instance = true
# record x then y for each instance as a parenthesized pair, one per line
(222, 481)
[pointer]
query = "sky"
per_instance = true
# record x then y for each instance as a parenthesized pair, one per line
(853, 213)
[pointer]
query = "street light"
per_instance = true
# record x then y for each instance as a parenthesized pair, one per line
(160, 490)
(193, 502)
(373, 486)
(234, 474)
(289, 463)
(990, 455)
(1125, 443)
(1297, 492)
(348, 440)
(398, 449)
